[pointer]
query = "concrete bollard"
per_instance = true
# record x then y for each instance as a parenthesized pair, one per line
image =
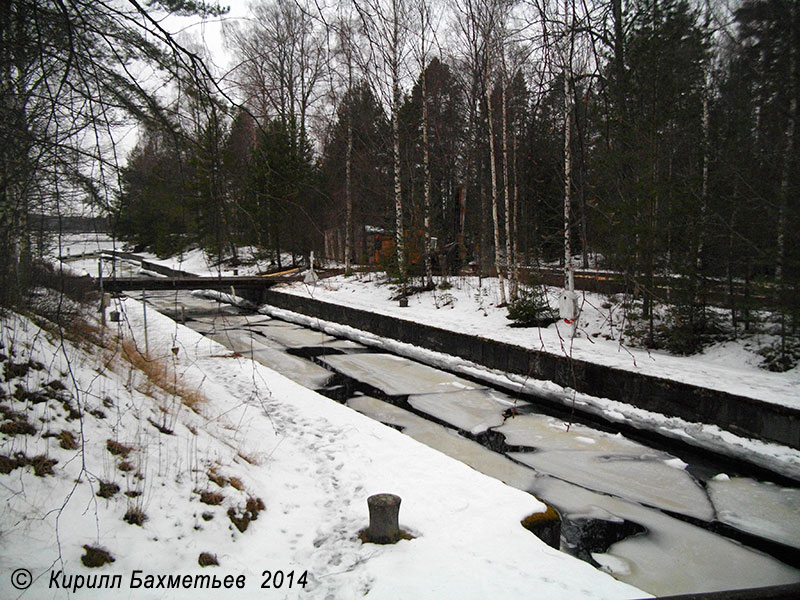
(384, 525)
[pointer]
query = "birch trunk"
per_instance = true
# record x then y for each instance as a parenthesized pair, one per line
(348, 174)
(427, 168)
(568, 278)
(398, 195)
(515, 212)
(498, 261)
(567, 182)
(507, 197)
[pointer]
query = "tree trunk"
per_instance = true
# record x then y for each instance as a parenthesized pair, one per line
(498, 261)
(567, 182)
(348, 192)
(515, 229)
(786, 169)
(507, 196)
(427, 186)
(398, 190)
(787, 160)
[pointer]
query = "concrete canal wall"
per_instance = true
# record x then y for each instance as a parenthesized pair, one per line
(737, 414)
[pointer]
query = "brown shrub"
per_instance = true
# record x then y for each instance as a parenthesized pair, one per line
(96, 557)
(118, 449)
(211, 498)
(206, 559)
(67, 440)
(107, 489)
(135, 516)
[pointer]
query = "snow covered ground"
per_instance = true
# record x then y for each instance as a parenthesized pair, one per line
(246, 438)
(470, 306)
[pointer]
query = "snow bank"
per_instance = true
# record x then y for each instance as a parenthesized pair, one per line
(255, 435)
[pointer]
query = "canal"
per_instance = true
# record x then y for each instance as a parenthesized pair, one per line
(666, 522)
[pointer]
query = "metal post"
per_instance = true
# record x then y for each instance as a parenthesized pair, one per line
(384, 527)
(144, 308)
(102, 301)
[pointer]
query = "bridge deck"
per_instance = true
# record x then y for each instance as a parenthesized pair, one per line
(192, 283)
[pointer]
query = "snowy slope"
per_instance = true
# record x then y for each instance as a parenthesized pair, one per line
(251, 435)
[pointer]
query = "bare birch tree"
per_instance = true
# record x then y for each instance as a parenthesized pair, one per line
(424, 36)
(282, 56)
(385, 26)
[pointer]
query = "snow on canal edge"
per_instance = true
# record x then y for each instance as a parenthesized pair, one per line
(311, 461)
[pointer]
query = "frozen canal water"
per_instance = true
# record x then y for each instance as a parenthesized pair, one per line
(632, 510)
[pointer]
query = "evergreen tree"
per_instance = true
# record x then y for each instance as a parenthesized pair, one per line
(284, 180)
(67, 78)
(650, 167)
(152, 210)
(371, 164)
(446, 147)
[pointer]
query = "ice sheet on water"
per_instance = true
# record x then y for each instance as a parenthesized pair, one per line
(471, 410)
(294, 336)
(302, 371)
(644, 478)
(542, 431)
(446, 441)
(688, 558)
(180, 303)
(761, 508)
(273, 355)
(242, 341)
(394, 375)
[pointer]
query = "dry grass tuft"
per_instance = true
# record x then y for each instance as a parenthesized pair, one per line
(250, 513)
(252, 459)
(161, 375)
(107, 489)
(7, 464)
(135, 516)
(67, 440)
(18, 426)
(220, 480)
(96, 557)
(42, 465)
(211, 498)
(118, 449)
(206, 559)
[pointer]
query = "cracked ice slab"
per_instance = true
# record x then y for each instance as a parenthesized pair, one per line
(471, 410)
(447, 441)
(644, 479)
(550, 433)
(689, 559)
(396, 376)
(764, 509)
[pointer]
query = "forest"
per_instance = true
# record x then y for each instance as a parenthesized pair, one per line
(651, 139)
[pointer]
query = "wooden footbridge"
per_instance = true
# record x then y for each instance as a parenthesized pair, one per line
(249, 287)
